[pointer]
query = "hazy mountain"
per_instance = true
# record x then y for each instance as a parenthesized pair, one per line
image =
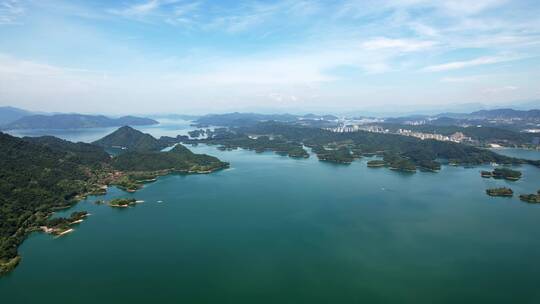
(11, 114)
(133, 140)
(242, 119)
(175, 116)
(505, 113)
(75, 121)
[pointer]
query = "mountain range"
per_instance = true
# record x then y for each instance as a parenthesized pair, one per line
(11, 114)
(66, 121)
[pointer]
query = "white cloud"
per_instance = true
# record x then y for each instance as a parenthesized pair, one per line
(496, 90)
(455, 65)
(464, 79)
(467, 7)
(142, 9)
(403, 45)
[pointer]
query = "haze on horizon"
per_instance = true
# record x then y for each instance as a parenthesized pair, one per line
(152, 56)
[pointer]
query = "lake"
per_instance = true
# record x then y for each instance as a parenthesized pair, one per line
(272, 229)
(518, 153)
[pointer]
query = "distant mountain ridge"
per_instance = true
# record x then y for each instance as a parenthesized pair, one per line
(505, 113)
(247, 119)
(75, 121)
(11, 114)
(242, 119)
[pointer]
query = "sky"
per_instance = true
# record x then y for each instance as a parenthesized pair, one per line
(194, 57)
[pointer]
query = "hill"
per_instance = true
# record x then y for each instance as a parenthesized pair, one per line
(75, 121)
(11, 114)
(44, 174)
(130, 139)
(82, 153)
(36, 179)
(179, 158)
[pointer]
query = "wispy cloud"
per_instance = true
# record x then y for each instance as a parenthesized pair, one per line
(496, 90)
(463, 79)
(10, 11)
(141, 9)
(455, 65)
(403, 45)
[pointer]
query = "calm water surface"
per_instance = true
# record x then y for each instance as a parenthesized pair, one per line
(277, 230)
(519, 153)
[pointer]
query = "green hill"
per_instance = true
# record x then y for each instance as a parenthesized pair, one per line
(179, 158)
(131, 139)
(43, 174)
(36, 179)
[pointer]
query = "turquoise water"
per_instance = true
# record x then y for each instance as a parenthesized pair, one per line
(519, 153)
(277, 230)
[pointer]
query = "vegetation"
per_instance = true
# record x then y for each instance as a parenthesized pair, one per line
(486, 174)
(131, 139)
(399, 163)
(41, 175)
(122, 202)
(60, 225)
(376, 163)
(531, 198)
(196, 133)
(506, 173)
(500, 192)
(178, 159)
(230, 140)
(340, 155)
(36, 180)
(80, 153)
(403, 152)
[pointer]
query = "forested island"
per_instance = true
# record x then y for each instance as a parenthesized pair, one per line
(506, 173)
(400, 153)
(122, 202)
(503, 191)
(502, 173)
(44, 174)
(531, 198)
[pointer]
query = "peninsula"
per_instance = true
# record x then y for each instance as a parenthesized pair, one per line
(44, 174)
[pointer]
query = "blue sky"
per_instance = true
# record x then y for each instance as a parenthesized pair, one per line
(149, 56)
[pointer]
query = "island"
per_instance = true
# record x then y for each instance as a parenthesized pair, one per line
(507, 174)
(531, 198)
(503, 191)
(486, 174)
(336, 154)
(404, 153)
(122, 202)
(376, 163)
(399, 163)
